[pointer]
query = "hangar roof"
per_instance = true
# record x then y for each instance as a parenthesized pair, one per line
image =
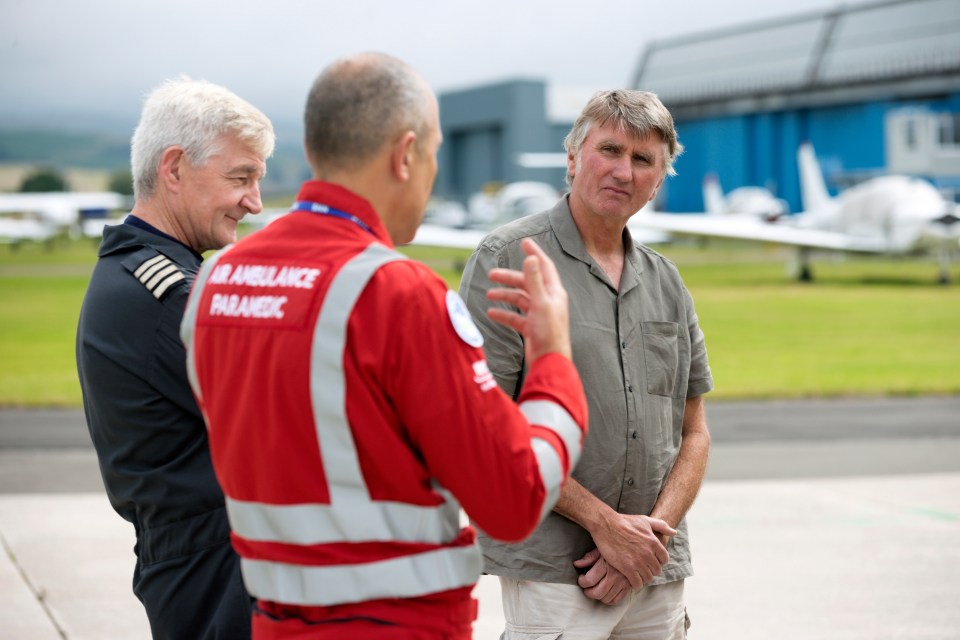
(810, 58)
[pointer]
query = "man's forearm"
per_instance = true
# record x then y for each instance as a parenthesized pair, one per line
(581, 506)
(683, 482)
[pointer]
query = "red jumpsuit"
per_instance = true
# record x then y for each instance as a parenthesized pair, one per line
(351, 413)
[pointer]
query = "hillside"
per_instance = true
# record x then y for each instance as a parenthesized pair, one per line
(62, 150)
(71, 152)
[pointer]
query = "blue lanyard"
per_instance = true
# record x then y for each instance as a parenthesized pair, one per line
(316, 207)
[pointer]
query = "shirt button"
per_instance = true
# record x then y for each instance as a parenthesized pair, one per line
(623, 345)
(630, 388)
(630, 481)
(633, 434)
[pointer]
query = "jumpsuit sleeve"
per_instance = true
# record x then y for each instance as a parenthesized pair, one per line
(505, 463)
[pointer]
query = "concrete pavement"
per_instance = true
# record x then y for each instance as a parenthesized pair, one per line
(833, 528)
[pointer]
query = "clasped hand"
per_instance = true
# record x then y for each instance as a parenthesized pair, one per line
(630, 553)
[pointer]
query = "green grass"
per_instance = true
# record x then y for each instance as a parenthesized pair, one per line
(866, 327)
(38, 320)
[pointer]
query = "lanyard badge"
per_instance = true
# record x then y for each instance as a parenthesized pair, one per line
(322, 209)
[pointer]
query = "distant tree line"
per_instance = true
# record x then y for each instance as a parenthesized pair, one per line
(45, 179)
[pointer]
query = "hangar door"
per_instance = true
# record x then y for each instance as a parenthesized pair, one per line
(476, 159)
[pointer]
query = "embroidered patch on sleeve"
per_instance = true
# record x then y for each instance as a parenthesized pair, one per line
(461, 320)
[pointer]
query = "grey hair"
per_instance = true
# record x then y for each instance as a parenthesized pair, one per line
(359, 103)
(193, 115)
(637, 112)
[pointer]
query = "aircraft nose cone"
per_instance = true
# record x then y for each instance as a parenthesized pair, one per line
(947, 219)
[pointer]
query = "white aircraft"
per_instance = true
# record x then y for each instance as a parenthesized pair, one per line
(42, 216)
(522, 198)
(448, 224)
(486, 212)
(756, 202)
(885, 215)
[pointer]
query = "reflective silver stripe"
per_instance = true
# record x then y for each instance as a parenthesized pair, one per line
(327, 384)
(366, 521)
(189, 323)
(404, 577)
(554, 417)
(146, 265)
(551, 472)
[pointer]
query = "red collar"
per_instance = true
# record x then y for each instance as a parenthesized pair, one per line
(337, 197)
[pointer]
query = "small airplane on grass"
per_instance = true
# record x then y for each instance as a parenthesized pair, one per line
(40, 217)
(894, 215)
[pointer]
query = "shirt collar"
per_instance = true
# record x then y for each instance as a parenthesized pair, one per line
(565, 229)
(146, 226)
(338, 197)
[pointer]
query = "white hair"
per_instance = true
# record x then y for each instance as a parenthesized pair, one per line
(193, 115)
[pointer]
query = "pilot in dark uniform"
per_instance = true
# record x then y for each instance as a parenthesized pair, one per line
(148, 431)
(150, 436)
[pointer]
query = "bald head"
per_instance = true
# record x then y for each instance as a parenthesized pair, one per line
(359, 104)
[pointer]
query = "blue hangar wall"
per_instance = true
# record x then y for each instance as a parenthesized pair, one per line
(853, 80)
(761, 148)
(486, 128)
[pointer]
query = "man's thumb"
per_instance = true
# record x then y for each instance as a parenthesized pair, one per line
(660, 526)
(588, 559)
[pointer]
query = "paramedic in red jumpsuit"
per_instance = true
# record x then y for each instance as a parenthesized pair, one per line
(350, 409)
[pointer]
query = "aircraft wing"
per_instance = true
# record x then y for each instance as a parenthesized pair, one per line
(432, 235)
(437, 236)
(18, 230)
(646, 235)
(752, 229)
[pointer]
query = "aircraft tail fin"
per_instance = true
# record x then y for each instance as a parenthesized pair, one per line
(713, 200)
(813, 189)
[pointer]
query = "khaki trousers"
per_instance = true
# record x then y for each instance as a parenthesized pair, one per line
(547, 611)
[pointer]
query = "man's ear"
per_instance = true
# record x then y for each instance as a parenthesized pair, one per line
(571, 165)
(402, 155)
(170, 172)
(657, 188)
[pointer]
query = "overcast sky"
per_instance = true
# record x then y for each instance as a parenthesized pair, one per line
(103, 56)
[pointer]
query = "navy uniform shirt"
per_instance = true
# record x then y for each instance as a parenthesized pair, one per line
(148, 432)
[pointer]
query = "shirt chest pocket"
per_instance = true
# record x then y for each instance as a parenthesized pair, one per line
(661, 356)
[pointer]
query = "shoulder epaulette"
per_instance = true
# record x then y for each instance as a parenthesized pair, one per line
(158, 274)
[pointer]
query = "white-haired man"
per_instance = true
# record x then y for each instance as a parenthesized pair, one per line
(197, 158)
(598, 567)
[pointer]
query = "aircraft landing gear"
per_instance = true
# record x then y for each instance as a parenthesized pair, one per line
(801, 269)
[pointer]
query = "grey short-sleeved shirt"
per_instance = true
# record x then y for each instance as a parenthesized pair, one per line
(640, 354)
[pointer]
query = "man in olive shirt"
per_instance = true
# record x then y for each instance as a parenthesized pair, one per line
(612, 557)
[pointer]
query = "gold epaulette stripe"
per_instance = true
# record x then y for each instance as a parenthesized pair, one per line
(167, 283)
(158, 274)
(149, 263)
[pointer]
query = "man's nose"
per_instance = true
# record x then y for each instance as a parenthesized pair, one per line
(251, 200)
(623, 169)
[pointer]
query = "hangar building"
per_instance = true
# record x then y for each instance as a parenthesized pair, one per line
(875, 87)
